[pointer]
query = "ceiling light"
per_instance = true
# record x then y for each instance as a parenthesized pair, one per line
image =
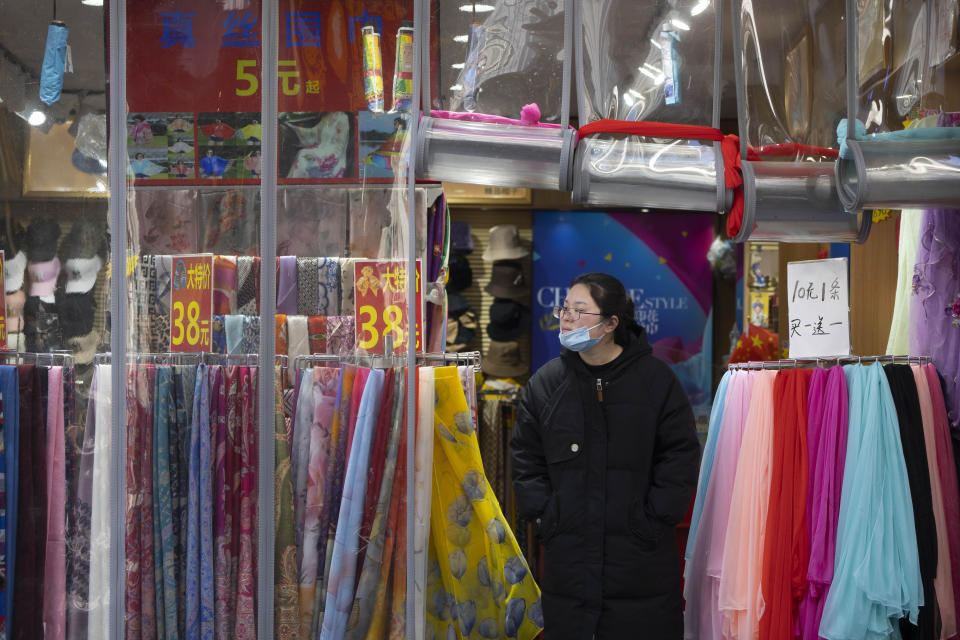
(92, 3)
(456, 87)
(461, 38)
(37, 118)
(680, 24)
(457, 65)
(473, 7)
(699, 8)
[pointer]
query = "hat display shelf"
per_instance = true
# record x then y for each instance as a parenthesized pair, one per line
(504, 122)
(786, 115)
(896, 74)
(648, 95)
(509, 316)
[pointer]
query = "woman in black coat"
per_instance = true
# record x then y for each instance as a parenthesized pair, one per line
(605, 461)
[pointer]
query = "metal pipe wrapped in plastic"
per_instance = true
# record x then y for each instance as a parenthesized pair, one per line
(897, 174)
(796, 202)
(634, 172)
(490, 153)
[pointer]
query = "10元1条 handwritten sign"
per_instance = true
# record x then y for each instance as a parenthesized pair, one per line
(191, 302)
(380, 297)
(818, 303)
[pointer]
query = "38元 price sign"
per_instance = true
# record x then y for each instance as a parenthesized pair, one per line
(191, 302)
(380, 294)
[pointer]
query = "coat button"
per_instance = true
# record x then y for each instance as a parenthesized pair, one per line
(574, 447)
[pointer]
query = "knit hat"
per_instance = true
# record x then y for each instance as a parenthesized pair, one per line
(76, 311)
(41, 240)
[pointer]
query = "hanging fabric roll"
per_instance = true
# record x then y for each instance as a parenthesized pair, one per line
(424, 492)
(340, 585)
(54, 578)
(786, 542)
(909, 419)
(325, 383)
(340, 434)
(704, 568)
(199, 588)
(740, 599)
(286, 621)
(478, 578)
(372, 579)
(827, 440)
(943, 580)
(10, 389)
(876, 583)
(101, 597)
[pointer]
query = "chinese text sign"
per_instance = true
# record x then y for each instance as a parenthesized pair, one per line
(818, 303)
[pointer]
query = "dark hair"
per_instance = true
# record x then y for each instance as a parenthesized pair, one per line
(611, 296)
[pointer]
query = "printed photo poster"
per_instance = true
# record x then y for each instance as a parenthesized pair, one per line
(193, 91)
(661, 260)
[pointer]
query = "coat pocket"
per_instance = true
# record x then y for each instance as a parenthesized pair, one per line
(647, 530)
(549, 520)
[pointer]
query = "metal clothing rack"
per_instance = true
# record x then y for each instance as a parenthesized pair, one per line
(817, 362)
(199, 357)
(457, 358)
(52, 359)
(465, 358)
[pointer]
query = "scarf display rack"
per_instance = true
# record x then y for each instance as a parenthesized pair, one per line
(797, 362)
(791, 531)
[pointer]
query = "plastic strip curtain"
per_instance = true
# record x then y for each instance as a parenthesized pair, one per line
(786, 112)
(507, 115)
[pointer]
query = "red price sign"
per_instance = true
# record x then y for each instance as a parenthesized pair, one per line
(191, 302)
(380, 292)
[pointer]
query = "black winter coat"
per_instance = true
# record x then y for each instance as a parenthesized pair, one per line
(606, 468)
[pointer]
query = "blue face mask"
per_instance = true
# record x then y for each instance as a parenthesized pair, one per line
(579, 339)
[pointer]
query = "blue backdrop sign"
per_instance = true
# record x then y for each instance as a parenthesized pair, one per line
(661, 260)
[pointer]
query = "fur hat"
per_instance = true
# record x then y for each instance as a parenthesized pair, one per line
(85, 240)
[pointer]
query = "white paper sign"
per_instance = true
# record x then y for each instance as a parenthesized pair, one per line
(818, 303)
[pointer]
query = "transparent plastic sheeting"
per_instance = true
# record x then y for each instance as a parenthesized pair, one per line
(791, 73)
(499, 55)
(796, 202)
(898, 84)
(900, 51)
(635, 63)
(491, 153)
(679, 175)
(643, 61)
(899, 174)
